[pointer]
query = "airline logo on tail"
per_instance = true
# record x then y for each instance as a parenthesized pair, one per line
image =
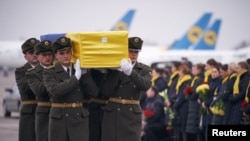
(210, 37)
(124, 22)
(193, 34)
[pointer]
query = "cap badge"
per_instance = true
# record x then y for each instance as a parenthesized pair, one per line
(63, 40)
(32, 41)
(136, 40)
(46, 43)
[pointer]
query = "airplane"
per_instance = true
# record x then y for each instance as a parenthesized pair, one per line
(150, 55)
(209, 38)
(11, 55)
(193, 34)
(198, 45)
(204, 49)
(125, 22)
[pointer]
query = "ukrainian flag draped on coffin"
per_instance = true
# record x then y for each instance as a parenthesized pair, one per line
(96, 49)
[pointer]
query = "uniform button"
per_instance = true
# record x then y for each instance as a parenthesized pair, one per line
(121, 86)
(118, 109)
(130, 109)
(134, 86)
(78, 114)
(66, 115)
(119, 97)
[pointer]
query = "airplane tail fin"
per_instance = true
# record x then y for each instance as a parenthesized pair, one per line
(124, 22)
(209, 39)
(193, 34)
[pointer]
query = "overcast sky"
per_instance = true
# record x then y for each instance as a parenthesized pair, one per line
(160, 21)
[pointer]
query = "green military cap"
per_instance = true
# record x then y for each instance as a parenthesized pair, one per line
(61, 43)
(44, 46)
(135, 43)
(29, 44)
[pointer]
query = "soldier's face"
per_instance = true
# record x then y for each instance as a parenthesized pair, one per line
(133, 55)
(45, 58)
(64, 56)
(31, 57)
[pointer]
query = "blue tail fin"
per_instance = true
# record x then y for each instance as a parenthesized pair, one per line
(124, 22)
(209, 39)
(193, 34)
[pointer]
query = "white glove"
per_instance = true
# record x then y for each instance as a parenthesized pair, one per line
(78, 71)
(126, 66)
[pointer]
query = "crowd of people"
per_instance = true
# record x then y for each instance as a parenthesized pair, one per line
(194, 96)
(62, 101)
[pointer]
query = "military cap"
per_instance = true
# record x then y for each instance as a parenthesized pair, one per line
(44, 46)
(29, 44)
(135, 43)
(61, 43)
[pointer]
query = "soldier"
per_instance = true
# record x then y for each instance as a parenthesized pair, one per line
(68, 84)
(35, 81)
(28, 100)
(95, 105)
(123, 115)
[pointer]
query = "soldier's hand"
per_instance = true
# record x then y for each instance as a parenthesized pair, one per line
(78, 71)
(126, 66)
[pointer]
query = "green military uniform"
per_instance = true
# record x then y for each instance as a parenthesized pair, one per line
(68, 117)
(122, 122)
(123, 115)
(71, 122)
(35, 81)
(27, 113)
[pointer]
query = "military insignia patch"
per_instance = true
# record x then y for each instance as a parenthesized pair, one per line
(46, 43)
(32, 41)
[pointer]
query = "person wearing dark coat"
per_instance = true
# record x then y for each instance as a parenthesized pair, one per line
(35, 81)
(170, 122)
(100, 76)
(214, 83)
(154, 116)
(180, 107)
(246, 112)
(217, 107)
(123, 115)
(68, 86)
(26, 131)
(193, 119)
(239, 92)
(232, 69)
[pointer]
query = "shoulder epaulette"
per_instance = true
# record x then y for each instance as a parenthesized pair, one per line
(144, 65)
(30, 69)
(20, 67)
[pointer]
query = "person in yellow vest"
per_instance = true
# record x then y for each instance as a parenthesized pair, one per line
(239, 91)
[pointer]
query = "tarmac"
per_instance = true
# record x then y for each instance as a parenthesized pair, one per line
(8, 126)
